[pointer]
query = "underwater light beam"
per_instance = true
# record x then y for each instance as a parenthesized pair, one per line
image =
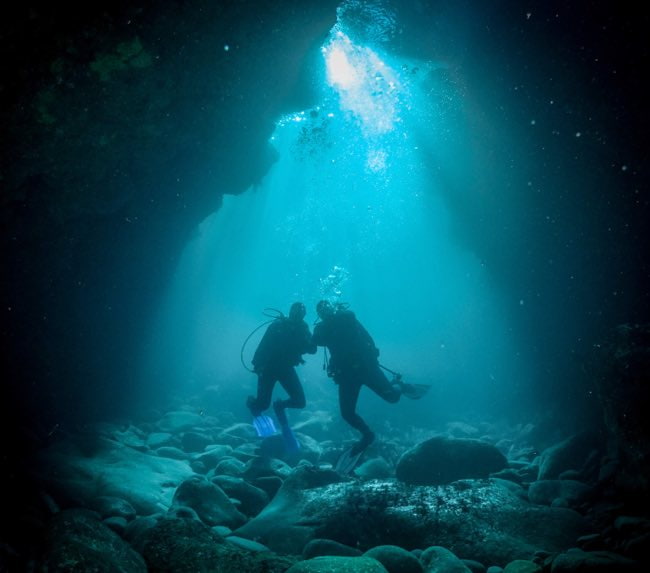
(340, 71)
(366, 86)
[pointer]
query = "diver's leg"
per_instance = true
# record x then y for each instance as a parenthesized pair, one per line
(348, 397)
(290, 382)
(377, 381)
(265, 383)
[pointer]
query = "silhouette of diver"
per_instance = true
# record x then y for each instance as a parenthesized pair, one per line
(354, 363)
(279, 351)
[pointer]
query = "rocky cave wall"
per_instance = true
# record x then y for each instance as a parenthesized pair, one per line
(125, 123)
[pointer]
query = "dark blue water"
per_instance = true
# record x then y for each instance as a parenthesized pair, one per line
(467, 177)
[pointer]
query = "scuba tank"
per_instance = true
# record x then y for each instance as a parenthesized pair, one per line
(277, 315)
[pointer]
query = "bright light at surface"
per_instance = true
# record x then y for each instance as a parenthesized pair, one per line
(367, 87)
(339, 70)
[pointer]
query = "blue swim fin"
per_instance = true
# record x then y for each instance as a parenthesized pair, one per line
(264, 426)
(290, 441)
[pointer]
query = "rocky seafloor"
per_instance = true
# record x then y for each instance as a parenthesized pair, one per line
(185, 491)
(182, 489)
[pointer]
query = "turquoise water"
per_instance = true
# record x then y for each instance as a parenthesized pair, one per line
(354, 210)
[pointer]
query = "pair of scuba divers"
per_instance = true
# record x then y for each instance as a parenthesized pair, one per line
(353, 362)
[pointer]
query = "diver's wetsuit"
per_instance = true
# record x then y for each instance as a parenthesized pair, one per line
(353, 363)
(281, 348)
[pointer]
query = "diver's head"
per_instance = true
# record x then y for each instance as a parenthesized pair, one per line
(324, 309)
(297, 311)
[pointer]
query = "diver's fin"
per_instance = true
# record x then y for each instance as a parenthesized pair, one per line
(414, 391)
(290, 441)
(264, 426)
(348, 461)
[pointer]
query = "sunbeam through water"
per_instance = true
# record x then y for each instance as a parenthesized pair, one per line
(350, 211)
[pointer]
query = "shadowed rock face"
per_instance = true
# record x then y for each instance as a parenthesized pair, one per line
(474, 519)
(77, 539)
(188, 545)
(621, 370)
(124, 127)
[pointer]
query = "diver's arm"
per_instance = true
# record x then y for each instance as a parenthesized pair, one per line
(319, 338)
(304, 340)
(310, 345)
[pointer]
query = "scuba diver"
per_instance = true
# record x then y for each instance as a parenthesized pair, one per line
(353, 363)
(279, 351)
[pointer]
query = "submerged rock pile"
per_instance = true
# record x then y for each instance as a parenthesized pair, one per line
(188, 492)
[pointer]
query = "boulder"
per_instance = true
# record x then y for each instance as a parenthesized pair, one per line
(213, 455)
(252, 499)
(78, 541)
(325, 547)
(209, 501)
(159, 439)
(179, 421)
(236, 435)
(375, 468)
(171, 452)
(578, 561)
(438, 559)
(522, 566)
(570, 454)
(441, 460)
(395, 559)
(475, 519)
(117, 524)
(111, 506)
(194, 442)
(246, 543)
(572, 492)
(81, 468)
(264, 467)
(184, 545)
(230, 466)
(338, 565)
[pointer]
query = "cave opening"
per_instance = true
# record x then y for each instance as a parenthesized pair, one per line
(355, 210)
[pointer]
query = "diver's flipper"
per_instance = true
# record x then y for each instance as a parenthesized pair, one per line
(264, 426)
(414, 391)
(290, 441)
(348, 461)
